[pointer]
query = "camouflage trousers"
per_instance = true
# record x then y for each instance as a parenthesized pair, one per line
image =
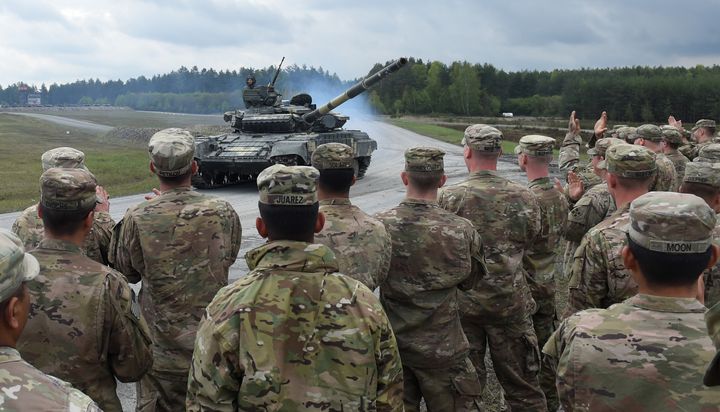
(161, 393)
(452, 389)
(515, 356)
(543, 293)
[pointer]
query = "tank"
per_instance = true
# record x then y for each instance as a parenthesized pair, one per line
(272, 130)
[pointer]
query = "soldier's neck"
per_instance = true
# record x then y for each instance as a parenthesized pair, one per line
(429, 195)
(686, 291)
(482, 165)
(165, 187)
(325, 194)
(77, 238)
(536, 172)
(624, 196)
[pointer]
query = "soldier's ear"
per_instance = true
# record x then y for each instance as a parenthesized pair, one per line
(629, 260)
(152, 167)
(715, 254)
(467, 153)
(352, 182)
(404, 178)
(88, 221)
(443, 179)
(194, 167)
(319, 222)
(261, 228)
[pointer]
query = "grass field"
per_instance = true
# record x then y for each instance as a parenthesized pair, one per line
(131, 118)
(445, 134)
(121, 167)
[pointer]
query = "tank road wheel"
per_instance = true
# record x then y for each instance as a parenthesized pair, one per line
(288, 160)
(363, 164)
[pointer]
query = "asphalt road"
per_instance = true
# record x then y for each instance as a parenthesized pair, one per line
(379, 190)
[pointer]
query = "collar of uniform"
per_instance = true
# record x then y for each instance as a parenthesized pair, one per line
(666, 304)
(57, 244)
(8, 354)
(335, 201)
(292, 256)
(540, 181)
(482, 173)
(411, 201)
(178, 190)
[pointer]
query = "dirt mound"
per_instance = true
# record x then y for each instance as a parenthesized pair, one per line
(143, 134)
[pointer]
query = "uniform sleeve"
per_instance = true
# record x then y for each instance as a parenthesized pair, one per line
(215, 374)
(235, 230)
(385, 257)
(477, 256)
(569, 152)
(583, 216)
(127, 251)
(103, 231)
(127, 338)
(548, 370)
(588, 283)
(390, 373)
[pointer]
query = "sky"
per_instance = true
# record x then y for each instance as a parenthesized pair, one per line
(46, 41)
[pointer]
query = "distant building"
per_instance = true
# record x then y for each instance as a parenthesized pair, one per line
(507, 114)
(34, 99)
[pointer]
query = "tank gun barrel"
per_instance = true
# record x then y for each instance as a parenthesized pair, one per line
(355, 90)
(277, 73)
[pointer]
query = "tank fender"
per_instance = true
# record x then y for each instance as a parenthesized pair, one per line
(289, 147)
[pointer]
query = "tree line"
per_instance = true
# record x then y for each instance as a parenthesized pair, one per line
(432, 87)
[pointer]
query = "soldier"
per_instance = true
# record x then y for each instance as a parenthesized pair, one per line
(650, 136)
(648, 353)
(82, 327)
(294, 334)
(671, 141)
(435, 253)
(23, 387)
(569, 159)
(534, 155)
(712, 320)
(250, 81)
(496, 312)
(709, 153)
(181, 245)
(598, 278)
(360, 242)
(702, 134)
(29, 226)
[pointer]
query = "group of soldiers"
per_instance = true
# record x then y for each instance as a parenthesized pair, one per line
(463, 271)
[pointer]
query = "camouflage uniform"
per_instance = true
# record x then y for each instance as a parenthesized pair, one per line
(361, 244)
(435, 252)
(181, 245)
(81, 307)
(671, 135)
(598, 277)
(665, 179)
(29, 227)
(540, 260)
(648, 353)
(569, 160)
(293, 334)
(496, 312)
(709, 153)
(712, 320)
(692, 150)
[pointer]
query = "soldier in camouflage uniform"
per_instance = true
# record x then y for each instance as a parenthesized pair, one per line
(702, 133)
(294, 334)
(598, 277)
(435, 253)
(710, 153)
(712, 320)
(360, 242)
(569, 159)
(181, 244)
(648, 353)
(534, 155)
(650, 136)
(29, 226)
(82, 327)
(22, 387)
(671, 141)
(496, 313)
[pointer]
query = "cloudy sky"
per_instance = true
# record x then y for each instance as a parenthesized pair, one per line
(64, 40)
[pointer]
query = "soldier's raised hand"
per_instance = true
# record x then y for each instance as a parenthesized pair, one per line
(575, 186)
(675, 123)
(574, 124)
(102, 194)
(601, 125)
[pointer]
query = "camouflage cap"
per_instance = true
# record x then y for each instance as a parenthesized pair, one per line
(712, 319)
(535, 145)
(68, 189)
(709, 153)
(671, 134)
(630, 161)
(649, 132)
(288, 185)
(333, 156)
(482, 137)
(424, 159)
(626, 133)
(619, 126)
(704, 123)
(16, 266)
(669, 222)
(702, 172)
(63, 157)
(602, 145)
(171, 152)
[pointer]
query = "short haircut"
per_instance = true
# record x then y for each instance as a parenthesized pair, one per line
(710, 130)
(485, 154)
(632, 184)
(425, 181)
(289, 222)
(540, 159)
(175, 180)
(19, 292)
(672, 145)
(63, 222)
(701, 190)
(669, 269)
(336, 180)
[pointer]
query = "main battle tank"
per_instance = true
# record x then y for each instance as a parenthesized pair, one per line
(271, 130)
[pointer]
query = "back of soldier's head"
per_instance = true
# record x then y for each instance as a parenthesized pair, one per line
(702, 179)
(336, 164)
(288, 201)
(171, 155)
(633, 166)
(16, 268)
(424, 167)
(64, 157)
(67, 196)
(537, 148)
(483, 140)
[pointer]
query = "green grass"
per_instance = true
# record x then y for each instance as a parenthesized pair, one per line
(121, 167)
(131, 118)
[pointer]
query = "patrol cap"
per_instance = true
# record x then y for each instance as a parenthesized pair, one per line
(671, 134)
(68, 190)
(619, 126)
(704, 123)
(602, 145)
(649, 132)
(288, 185)
(702, 172)
(171, 152)
(626, 133)
(63, 157)
(535, 145)
(424, 159)
(712, 319)
(483, 138)
(709, 153)
(669, 222)
(333, 156)
(16, 266)
(630, 161)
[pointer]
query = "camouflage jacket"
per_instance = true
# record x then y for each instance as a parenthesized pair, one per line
(361, 244)
(598, 277)
(665, 179)
(29, 227)
(295, 335)
(24, 388)
(592, 208)
(679, 161)
(648, 353)
(181, 244)
(692, 149)
(711, 277)
(508, 217)
(569, 160)
(434, 253)
(81, 327)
